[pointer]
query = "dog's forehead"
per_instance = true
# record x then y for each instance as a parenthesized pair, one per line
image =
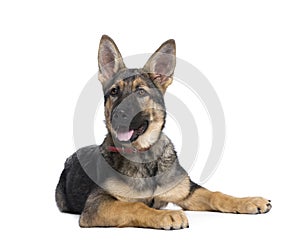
(130, 77)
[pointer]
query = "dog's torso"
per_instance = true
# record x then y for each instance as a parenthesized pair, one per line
(129, 177)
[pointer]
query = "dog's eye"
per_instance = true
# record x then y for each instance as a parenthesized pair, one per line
(114, 91)
(141, 92)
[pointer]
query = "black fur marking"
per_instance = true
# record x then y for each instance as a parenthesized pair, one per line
(77, 185)
(193, 187)
(106, 96)
(151, 203)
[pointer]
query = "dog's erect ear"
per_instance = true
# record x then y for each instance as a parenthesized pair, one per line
(109, 59)
(161, 65)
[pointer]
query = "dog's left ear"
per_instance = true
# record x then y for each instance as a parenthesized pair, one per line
(161, 65)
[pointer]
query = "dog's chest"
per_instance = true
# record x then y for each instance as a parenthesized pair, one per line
(133, 180)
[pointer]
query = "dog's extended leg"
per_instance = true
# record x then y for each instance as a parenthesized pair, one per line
(191, 196)
(103, 210)
(201, 199)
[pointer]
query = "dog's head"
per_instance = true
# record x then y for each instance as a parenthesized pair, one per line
(134, 104)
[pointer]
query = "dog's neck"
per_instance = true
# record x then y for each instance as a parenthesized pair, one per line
(109, 145)
(140, 164)
(125, 150)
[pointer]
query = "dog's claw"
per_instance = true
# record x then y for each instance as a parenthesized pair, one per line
(254, 205)
(269, 206)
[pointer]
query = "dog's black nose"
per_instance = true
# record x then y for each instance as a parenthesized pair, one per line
(120, 115)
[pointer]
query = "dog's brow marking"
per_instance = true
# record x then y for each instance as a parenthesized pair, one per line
(138, 83)
(121, 85)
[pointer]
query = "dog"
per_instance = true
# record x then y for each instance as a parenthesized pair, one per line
(135, 172)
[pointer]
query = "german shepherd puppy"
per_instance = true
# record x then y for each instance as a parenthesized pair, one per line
(135, 172)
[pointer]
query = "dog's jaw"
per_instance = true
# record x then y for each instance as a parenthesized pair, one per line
(150, 137)
(144, 141)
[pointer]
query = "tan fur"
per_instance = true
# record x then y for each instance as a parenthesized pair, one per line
(135, 214)
(177, 193)
(138, 82)
(107, 113)
(146, 140)
(205, 200)
(123, 191)
(166, 83)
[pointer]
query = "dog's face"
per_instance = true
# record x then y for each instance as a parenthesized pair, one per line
(134, 104)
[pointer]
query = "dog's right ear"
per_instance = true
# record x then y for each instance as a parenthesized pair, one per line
(109, 59)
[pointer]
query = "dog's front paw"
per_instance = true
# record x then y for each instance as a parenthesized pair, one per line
(169, 220)
(254, 205)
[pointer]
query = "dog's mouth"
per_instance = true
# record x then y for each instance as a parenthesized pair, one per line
(124, 134)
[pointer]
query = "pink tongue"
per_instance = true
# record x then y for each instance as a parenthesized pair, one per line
(125, 136)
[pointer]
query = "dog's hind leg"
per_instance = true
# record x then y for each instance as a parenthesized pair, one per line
(60, 193)
(103, 210)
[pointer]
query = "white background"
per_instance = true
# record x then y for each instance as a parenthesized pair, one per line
(249, 50)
